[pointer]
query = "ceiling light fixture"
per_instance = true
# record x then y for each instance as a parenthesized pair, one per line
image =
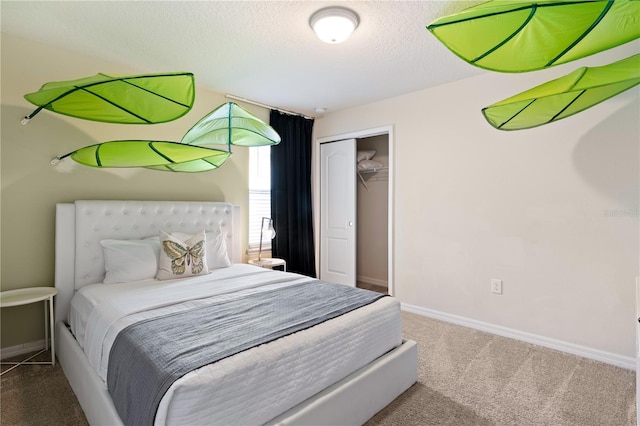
(334, 24)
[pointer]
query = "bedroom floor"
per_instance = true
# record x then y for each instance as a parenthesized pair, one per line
(372, 287)
(38, 395)
(466, 377)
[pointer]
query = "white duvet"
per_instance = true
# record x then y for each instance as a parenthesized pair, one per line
(253, 386)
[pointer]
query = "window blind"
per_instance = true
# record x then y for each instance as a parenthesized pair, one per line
(259, 194)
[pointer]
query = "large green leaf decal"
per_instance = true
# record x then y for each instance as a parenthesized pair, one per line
(521, 36)
(141, 153)
(565, 96)
(228, 125)
(137, 99)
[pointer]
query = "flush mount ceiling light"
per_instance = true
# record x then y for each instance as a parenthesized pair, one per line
(334, 24)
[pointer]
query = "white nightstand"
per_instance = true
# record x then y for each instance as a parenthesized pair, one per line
(269, 262)
(24, 296)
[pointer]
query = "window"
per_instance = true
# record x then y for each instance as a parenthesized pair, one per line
(259, 193)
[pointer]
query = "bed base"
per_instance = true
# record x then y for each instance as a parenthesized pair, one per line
(351, 401)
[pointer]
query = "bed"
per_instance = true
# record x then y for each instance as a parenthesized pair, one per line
(339, 372)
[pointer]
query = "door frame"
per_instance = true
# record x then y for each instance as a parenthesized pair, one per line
(377, 131)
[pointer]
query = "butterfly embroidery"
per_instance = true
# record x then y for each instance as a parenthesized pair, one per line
(182, 256)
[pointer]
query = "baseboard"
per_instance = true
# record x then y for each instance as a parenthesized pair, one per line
(622, 361)
(372, 281)
(25, 348)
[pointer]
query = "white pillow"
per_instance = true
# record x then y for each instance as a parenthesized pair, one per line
(182, 257)
(365, 155)
(369, 165)
(130, 260)
(216, 247)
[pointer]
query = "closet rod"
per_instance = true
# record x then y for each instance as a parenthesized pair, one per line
(238, 98)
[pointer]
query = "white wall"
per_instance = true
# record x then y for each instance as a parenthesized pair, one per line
(551, 211)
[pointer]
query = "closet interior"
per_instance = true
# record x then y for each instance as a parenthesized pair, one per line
(372, 213)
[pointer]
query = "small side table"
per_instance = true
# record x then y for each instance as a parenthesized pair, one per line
(24, 296)
(269, 262)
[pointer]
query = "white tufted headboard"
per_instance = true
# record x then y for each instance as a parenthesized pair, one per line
(81, 225)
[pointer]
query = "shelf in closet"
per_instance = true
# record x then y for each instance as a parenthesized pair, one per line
(379, 175)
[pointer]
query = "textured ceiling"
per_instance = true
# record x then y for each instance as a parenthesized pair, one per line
(260, 50)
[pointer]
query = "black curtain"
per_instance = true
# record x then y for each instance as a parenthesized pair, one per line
(291, 193)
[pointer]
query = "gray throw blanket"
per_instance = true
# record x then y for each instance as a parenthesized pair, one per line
(148, 356)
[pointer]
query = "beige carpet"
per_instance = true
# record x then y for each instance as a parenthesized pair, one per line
(466, 377)
(38, 395)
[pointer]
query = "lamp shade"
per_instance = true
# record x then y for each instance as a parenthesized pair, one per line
(266, 232)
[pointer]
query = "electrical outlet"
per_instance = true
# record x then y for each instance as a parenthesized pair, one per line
(496, 286)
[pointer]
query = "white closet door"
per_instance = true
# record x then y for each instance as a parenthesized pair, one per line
(338, 212)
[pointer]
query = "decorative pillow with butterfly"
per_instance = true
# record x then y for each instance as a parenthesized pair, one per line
(215, 246)
(181, 258)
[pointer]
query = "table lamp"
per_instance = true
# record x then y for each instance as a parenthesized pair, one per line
(266, 231)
